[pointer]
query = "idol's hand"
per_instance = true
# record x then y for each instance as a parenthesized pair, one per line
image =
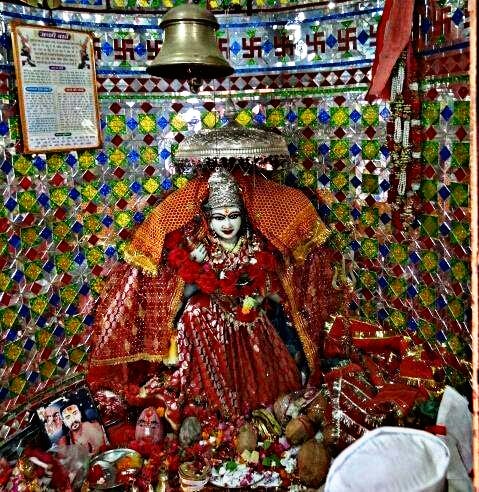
(199, 253)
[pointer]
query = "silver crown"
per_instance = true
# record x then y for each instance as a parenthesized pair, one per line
(223, 190)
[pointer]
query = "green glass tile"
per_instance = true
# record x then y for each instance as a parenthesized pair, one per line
(308, 148)
(123, 219)
(64, 262)
(427, 296)
(397, 319)
(370, 115)
(456, 308)
(95, 256)
(27, 201)
(429, 261)
(39, 304)
(6, 282)
(149, 154)
(3, 244)
(23, 165)
(429, 225)
(307, 117)
(342, 211)
(369, 310)
(44, 338)
(339, 116)
(30, 237)
(339, 149)
(33, 270)
(151, 185)
(47, 369)
(92, 223)
(147, 123)
(275, 117)
(430, 113)
(89, 191)
(430, 152)
(12, 352)
(428, 190)
(370, 216)
(210, 120)
(120, 189)
(368, 279)
(77, 355)
(307, 179)
(461, 113)
(61, 230)
(8, 317)
(370, 149)
(460, 154)
(459, 233)
(457, 346)
(369, 183)
(460, 270)
(96, 285)
(117, 156)
(73, 325)
(56, 163)
(244, 117)
(398, 254)
(116, 124)
(459, 194)
(427, 331)
(86, 160)
(397, 287)
(68, 294)
(58, 196)
(369, 248)
(18, 385)
(339, 180)
(14, 127)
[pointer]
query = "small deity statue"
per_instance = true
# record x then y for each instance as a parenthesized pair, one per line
(233, 269)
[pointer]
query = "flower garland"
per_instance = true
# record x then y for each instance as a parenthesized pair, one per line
(246, 282)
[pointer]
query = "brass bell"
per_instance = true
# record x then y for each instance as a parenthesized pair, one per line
(189, 48)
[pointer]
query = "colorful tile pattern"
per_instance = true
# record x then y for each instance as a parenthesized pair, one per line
(64, 217)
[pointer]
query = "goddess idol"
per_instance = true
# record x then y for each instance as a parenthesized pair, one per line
(233, 270)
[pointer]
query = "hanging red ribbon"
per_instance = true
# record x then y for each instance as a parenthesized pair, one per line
(394, 32)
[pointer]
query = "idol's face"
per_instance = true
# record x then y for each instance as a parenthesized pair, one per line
(225, 222)
(72, 417)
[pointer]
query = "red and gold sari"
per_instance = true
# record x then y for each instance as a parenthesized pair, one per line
(135, 317)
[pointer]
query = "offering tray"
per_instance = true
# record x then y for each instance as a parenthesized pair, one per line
(117, 466)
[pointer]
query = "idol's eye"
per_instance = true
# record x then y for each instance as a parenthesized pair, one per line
(234, 215)
(218, 217)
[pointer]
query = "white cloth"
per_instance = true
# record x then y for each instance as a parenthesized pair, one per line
(454, 414)
(391, 459)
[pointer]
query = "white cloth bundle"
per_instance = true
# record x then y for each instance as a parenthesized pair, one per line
(391, 459)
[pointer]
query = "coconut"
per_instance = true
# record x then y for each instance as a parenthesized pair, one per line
(313, 463)
(247, 438)
(299, 430)
(316, 409)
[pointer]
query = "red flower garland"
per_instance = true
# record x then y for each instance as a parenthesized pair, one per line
(242, 282)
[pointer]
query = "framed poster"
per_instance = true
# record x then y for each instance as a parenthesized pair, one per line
(55, 72)
(72, 418)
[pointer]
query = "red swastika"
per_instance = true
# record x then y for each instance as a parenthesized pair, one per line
(124, 49)
(316, 44)
(283, 46)
(347, 39)
(153, 47)
(250, 46)
(223, 46)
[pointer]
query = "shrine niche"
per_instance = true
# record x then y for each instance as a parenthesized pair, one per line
(255, 277)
